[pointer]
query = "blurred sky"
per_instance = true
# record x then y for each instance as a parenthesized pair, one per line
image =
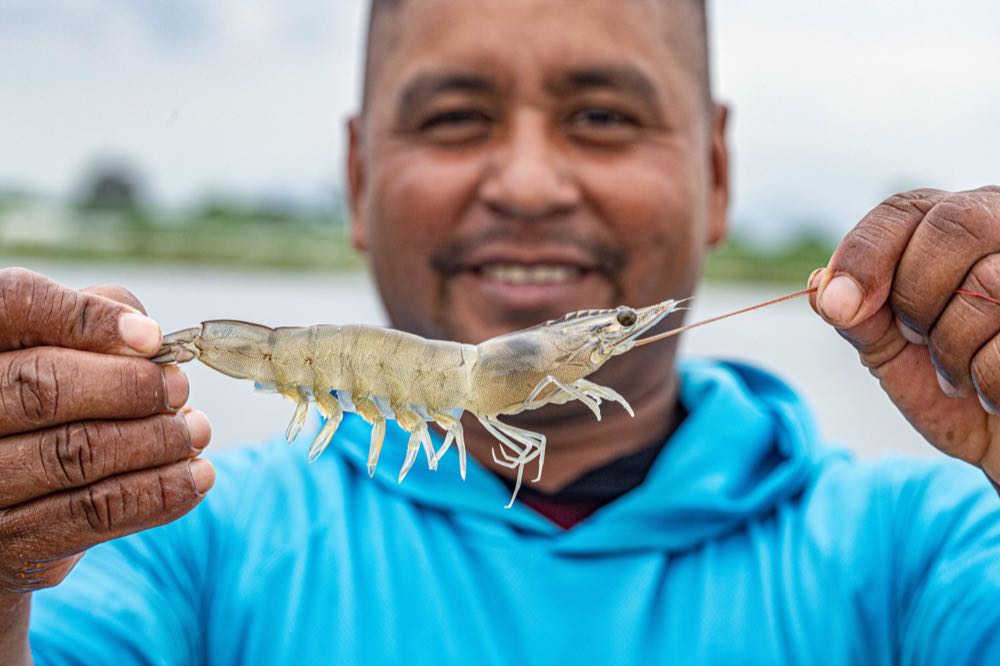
(836, 104)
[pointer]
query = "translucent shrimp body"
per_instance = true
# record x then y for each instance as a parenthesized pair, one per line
(383, 374)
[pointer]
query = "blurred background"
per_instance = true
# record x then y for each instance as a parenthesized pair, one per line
(194, 152)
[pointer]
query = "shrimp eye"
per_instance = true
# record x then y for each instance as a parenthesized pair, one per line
(626, 316)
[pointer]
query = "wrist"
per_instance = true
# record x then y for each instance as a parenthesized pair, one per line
(15, 610)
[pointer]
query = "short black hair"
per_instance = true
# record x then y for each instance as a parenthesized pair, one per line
(694, 40)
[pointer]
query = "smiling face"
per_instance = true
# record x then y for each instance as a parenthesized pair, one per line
(520, 159)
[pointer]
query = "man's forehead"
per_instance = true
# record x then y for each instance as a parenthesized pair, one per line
(611, 21)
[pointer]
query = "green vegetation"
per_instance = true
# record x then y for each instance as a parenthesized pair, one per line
(111, 225)
(738, 261)
(250, 245)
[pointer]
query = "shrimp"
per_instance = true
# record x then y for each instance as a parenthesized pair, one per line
(384, 374)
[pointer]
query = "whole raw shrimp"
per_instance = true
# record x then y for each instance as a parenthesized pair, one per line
(385, 374)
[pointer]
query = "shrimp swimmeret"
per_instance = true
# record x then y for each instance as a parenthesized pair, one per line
(384, 374)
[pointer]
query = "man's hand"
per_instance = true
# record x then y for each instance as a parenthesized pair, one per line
(92, 445)
(890, 290)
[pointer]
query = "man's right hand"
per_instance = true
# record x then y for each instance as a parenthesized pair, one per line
(94, 444)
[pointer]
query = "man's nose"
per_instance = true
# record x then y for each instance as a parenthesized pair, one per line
(529, 177)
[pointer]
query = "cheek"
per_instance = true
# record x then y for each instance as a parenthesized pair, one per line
(414, 203)
(414, 195)
(657, 210)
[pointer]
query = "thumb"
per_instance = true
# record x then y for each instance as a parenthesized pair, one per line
(876, 336)
(858, 280)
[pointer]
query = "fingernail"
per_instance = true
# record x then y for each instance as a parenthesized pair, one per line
(812, 276)
(987, 405)
(177, 386)
(199, 428)
(947, 387)
(203, 474)
(140, 333)
(841, 300)
(910, 334)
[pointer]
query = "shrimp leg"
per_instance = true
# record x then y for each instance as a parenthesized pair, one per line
(453, 426)
(301, 399)
(369, 411)
(597, 391)
(414, 424)
(532, 440)
(565, 388)
(329, 406)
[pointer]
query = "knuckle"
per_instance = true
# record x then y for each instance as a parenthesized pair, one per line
(104, 507)
(83, 316)
(909, 204)
(144, 382)
(864, 249)
(118, 505)
(985, 277)
(870, 238)
(74, 454)
(173, 438)
(958, 220)
(25, 294)
(17, 287)
(906, 302)
(31, 394)
(985, 371)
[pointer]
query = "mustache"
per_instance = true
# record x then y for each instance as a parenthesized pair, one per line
(452, 258)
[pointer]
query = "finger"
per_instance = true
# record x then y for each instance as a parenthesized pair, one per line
(956, 233)
(47, 386)
(79, 454)
(965, 326)
(986, 381)
(859, 277)
(986, 376)
(36, 311)
(117, 293)
(66, 523)
(907, 374)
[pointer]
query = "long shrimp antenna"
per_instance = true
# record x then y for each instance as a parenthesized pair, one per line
(678, 331)
(787, 297)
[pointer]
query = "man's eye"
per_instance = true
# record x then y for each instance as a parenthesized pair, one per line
(602, 118)
(457, 126)
(601, 126)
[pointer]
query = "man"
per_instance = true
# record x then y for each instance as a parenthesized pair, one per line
(516, 159)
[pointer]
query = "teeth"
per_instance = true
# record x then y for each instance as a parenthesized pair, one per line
(535, 274)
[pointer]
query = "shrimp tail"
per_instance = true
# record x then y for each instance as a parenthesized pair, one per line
(179, 347)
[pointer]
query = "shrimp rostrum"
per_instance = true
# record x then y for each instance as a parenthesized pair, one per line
(383, 374)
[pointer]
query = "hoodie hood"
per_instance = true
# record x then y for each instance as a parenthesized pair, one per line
(748, 444)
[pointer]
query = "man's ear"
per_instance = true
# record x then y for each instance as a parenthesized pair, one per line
(356, 183)
(718, 212)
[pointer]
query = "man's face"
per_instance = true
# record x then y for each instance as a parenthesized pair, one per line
(519, 159)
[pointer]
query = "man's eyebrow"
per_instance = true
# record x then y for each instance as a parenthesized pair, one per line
(425, 86)
(625, 78)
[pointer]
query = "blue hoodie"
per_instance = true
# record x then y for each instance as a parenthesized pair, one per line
(748, 543)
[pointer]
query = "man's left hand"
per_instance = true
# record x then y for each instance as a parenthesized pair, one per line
(890, 290)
